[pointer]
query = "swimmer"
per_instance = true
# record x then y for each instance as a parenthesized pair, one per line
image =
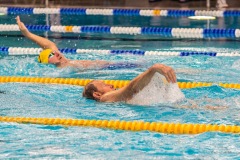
(102, 92)
(51, 54)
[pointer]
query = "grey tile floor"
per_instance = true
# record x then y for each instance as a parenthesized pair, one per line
(194, 4)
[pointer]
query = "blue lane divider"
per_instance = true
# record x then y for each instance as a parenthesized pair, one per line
(18, 10)
(179, 13)
(73, 11)
(68, 51)
(35, 51)
(157, 31)
(216, 33)
(198, 53)
(38, 27)
(4, 51)
(126, 12)
(122, 12)
(134, 52)
(95, 29)
(231, 13)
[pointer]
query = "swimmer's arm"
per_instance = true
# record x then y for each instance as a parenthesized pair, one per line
(42, 42)
(138, 83)
(143, 79)
(127, 92)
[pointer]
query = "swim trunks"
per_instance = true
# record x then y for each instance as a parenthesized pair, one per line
(121, 66)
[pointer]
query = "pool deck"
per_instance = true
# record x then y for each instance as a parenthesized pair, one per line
(161, 4)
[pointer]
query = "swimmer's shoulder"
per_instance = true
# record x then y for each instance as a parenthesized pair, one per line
(112, 96)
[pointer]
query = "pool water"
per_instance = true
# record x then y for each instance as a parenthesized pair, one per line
(23, 141)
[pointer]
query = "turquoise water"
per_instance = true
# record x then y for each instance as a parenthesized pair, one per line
(24, 141)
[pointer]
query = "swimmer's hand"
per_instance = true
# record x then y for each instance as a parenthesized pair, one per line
(166, 71)
(22, 26)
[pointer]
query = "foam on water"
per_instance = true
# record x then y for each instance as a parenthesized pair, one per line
(158, 91)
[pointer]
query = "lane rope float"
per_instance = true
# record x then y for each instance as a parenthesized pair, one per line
(161, 127)
(158, 31)
(120, 12)
(115, 83)
(36, 51)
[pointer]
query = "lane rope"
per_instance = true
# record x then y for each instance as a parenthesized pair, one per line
(119, 12)
(115, 83)
(157, 31)
(36, 51)
(161, 127)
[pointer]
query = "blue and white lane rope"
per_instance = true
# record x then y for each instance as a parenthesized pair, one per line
(158, 31)
(119, 11)
(36, 51)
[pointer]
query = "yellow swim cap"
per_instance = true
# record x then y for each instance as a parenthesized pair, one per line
(43, 56)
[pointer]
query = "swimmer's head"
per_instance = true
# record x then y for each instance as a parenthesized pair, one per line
(49, 56)
(96, 88)
(44, 56)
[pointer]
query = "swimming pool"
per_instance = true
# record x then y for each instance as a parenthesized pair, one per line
(65, 101)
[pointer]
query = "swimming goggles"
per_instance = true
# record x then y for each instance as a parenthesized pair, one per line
(51, 55)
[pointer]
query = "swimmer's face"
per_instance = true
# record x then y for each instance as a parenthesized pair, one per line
(103, 87)
(55, 57)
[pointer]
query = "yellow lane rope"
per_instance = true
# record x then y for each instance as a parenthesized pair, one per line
(115, 83)
(161, 127)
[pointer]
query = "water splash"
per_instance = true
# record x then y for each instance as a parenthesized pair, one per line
(158, 91)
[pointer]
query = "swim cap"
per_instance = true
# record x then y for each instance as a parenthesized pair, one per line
(43, 56)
